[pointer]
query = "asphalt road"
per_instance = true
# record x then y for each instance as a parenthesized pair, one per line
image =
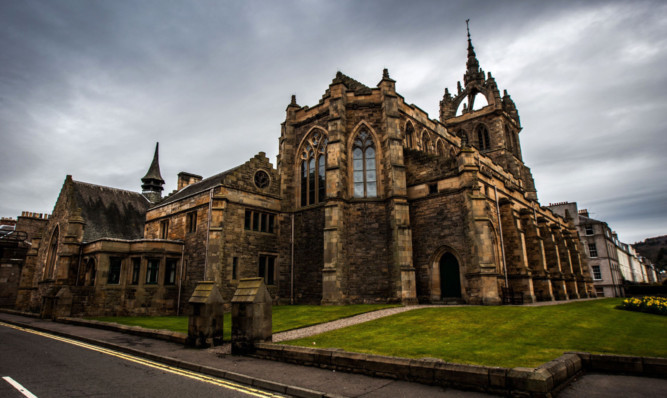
(51, 367)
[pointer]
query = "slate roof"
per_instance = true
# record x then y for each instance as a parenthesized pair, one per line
(110, 212)
(193, 189)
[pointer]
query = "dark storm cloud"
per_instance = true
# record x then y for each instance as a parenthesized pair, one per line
(88, 87)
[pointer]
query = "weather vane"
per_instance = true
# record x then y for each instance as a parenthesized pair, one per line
(468, 27)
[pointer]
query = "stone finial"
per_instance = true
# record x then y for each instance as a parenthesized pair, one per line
(385, 73)
(293, 100)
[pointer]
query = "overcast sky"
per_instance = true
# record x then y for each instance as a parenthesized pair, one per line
(87, 88)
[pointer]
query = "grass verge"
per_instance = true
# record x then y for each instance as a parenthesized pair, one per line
(285, 317)
(504, 336)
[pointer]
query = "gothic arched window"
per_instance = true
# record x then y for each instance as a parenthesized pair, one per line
(363, 158)
(440, 148)
(409, 135)
(313, 165)
(426, 143)
(52, 254)
(483, 138)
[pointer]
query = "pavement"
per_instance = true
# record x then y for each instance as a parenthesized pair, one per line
(295, 380)
(306, 381)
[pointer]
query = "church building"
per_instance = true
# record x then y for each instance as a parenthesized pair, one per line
(370, 201)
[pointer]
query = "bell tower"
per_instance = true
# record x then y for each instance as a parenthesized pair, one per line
(493, 129)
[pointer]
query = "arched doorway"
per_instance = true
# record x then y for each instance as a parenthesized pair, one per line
(450, 279)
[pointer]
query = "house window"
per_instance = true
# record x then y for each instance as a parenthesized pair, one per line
(152, 271)
(313, 168)
(164, 229)
(597, 274)
(259, 221)
(483, 138)
(170, 271)
(592, 250)
(136, 269)
(267, 268)
(191, 222)
(589, 229)
(363, 158)
(113, 278)
(235, 268)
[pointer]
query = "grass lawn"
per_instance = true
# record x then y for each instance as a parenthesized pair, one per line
(504, 336)
(285, 317)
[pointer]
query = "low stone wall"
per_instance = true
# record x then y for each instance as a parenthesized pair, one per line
(544, 381)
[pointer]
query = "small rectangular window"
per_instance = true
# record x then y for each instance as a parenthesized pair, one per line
(589, 230)
(164, 229)
(267, 269)
(264, 223)
(271, 222)
(255, 221)
(152, 271)
(248, 219)
(592, 250)
(597, 275)
(170, 271)
(114, 271)
(136, 269)
(235, 266)
(192, 222)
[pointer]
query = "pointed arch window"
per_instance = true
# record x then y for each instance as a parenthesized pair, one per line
(363, 158)
(52, 254)
(440, 148)
(313, 168)
(426, 143)
(483, 138)
(409, 135)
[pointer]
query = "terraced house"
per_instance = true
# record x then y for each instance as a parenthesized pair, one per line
(370, 201)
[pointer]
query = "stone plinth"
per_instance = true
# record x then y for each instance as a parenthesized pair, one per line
(205, 316)
(251, 315)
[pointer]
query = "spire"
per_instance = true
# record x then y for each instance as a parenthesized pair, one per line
(152, 182)
(473, 72)
(472, 64)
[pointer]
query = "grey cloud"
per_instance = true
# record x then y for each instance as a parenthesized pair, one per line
(87, 88)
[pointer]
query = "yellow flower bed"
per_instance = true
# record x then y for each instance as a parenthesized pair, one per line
(650, 304)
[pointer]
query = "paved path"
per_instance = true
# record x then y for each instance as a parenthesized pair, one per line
(342, 323)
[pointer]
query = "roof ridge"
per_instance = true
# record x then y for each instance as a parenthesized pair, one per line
(107, 187)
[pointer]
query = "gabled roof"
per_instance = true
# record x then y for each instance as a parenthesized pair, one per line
(351, 84)
(109, 212)
(199, 187)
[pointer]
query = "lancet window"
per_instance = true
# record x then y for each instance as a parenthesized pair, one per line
(409, 135)
(313, 168)
(363, 158)
(483, 138)
(52, 254)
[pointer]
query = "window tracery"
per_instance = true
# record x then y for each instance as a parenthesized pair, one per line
(363, 159)
(313, 168)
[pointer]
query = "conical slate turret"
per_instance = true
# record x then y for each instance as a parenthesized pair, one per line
(152, 182)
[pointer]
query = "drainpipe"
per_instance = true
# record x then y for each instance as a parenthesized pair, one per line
(291, 288)
(180, 282)
(502, 242)
(208, 233)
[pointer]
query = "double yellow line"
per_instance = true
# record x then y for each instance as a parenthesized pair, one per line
(152, 364)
